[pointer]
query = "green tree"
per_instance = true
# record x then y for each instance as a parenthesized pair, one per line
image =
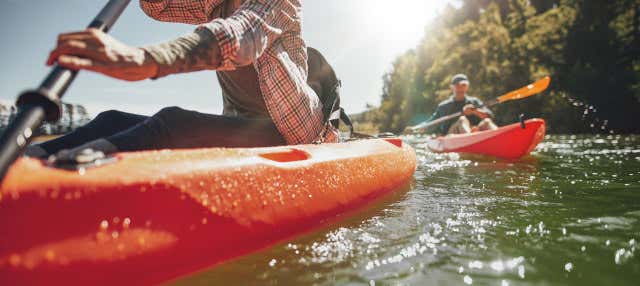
(590, 48)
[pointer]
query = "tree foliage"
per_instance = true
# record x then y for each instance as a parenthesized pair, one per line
(590, 49)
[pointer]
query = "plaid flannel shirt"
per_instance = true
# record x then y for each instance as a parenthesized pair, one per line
(267, 34)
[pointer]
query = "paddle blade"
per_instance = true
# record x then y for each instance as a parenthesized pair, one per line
(529, 90)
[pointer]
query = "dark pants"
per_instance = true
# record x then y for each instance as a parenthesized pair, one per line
(171, 127)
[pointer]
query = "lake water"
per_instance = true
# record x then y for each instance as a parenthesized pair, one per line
(567, 215)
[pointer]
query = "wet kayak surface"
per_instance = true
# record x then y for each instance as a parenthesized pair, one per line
(569, 214)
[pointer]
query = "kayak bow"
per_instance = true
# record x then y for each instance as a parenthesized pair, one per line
(154, 216)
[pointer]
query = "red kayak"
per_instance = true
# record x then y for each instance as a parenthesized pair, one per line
(153, 216)
(509, 142)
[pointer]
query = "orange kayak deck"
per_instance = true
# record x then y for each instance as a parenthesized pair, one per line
(154, 216)
(508, 142)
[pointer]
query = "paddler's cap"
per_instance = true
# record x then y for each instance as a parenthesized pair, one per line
(459, 79)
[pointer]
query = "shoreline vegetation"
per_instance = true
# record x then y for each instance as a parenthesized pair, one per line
(589, 48)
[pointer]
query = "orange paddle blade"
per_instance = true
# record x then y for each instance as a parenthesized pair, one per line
(529, 90)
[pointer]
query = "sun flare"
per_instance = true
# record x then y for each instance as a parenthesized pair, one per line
(401, 22)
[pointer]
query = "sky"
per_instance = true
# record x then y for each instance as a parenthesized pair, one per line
(359, 38)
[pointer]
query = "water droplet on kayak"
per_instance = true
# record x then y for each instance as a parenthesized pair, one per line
(273, 262)
(126, 223)
(104, 225)
(204, 220)
(115, 235)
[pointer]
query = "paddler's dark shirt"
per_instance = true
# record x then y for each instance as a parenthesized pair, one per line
(450, 106)
(241, 93)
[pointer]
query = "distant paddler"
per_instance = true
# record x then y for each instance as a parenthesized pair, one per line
(475, 116)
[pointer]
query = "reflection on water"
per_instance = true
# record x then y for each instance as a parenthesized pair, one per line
(569, 214)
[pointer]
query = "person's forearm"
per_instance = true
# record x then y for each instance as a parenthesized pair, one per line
(193, 52)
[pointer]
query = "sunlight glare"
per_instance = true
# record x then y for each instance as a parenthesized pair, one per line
(401, 22)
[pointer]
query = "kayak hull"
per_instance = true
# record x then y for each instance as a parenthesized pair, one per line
(507, 142)
(158, 215)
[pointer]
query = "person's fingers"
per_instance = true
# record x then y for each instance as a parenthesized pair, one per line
(78, 63)
(82, 48)
(86, 43)
(73, 62)
(65, 47)
(80, 35)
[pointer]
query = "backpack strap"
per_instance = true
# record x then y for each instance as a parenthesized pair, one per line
(323, 80)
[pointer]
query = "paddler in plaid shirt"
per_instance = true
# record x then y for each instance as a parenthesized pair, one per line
(257, 51)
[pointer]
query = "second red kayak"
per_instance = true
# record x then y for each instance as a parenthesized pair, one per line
(509, 142)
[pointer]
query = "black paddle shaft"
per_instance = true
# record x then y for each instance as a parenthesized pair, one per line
(43, 104)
